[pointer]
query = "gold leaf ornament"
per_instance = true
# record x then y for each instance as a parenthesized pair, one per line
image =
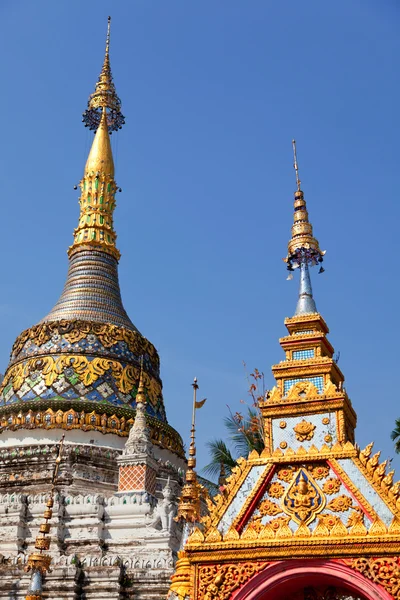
(304, 431)
(340, 503)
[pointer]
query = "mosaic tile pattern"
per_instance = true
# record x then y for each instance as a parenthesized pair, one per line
(303, 354)
(317, 381)
(240, 498)
(92, 291)
(68, 387)
(366, 489)
(88, 346)
(137, 478)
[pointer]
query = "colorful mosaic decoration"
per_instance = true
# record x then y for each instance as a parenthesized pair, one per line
(85, 356)
(310, 510)
(317, 381)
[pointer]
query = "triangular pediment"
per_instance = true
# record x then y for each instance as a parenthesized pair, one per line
(323, 495)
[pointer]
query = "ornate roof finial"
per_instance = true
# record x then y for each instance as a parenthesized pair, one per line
(303, 247)
(141, 396)
(189, 503)
(98, 187)
(296, 166)
(104, 96)
(39, 562)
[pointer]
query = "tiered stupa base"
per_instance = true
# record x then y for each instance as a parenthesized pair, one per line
(105, 544)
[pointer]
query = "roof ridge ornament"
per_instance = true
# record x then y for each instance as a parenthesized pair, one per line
(104, 97)
(303, 247)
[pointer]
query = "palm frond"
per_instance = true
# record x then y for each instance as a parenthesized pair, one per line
(220, 454)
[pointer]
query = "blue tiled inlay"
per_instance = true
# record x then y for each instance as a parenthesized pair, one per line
(317, 381)
(303, 354)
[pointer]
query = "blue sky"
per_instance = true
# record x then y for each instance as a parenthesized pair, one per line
(213, 93)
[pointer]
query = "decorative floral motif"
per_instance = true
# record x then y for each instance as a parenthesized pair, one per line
(319, 471)
(275, 490)
(285, 473)
(328, 520)
(331, 486)
(75, 331)
(383, 571)
(267, 507)
(304, 431)
(88, 371)
(276, 523)
(220, 581)
(340, 504)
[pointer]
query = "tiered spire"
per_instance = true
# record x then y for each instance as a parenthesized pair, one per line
(92, 291)
(303, 248)
(189, 503)
(98, 187)
(104, 96)
(308, 381)
(39, 562)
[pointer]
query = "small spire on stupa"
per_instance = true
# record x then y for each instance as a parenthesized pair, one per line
(189, 503)
(139, 435)
(39, 562)
(303, 247)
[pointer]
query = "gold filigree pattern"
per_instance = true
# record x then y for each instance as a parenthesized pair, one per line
(303, 390)
(340, 503)
(161, 433)
(269, 508)
(319, 471)
(331, 486)
(383, 571)
(304, 431)
(285, 473)
(88, 371)
(275, 490)
(218, 582)
(76, 330)
(303, 499)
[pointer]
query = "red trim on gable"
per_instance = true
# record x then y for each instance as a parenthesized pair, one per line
(243, 521)
(350, 492)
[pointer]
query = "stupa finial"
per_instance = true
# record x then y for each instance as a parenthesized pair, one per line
(39, 562)
(98, 187)
(303, 247)
(104, 96)
(189, 503)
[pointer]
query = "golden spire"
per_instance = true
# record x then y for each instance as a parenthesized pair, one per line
(98, 187)
(189, 503)
(39, 562)
(302, 241)
(140, 396)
